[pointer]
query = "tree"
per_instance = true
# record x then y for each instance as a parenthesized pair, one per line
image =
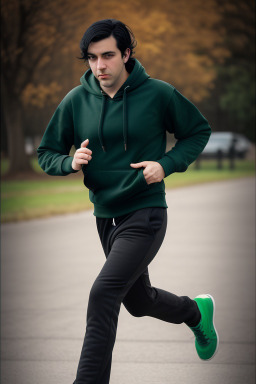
(235, 83)
(30, 32)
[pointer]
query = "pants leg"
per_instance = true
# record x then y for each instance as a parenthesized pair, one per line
(129, 247)
(145, 300)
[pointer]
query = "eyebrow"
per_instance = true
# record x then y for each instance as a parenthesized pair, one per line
(104, 53)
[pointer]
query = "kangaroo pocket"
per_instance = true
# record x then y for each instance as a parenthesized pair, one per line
(115, 186)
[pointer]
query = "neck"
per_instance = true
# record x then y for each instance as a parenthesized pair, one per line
(111, 91)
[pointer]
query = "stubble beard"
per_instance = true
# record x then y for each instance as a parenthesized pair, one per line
(106, 84)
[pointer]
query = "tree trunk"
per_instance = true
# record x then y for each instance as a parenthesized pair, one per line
(12, 110)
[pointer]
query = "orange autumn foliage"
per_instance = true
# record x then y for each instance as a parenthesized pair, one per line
(178, 42)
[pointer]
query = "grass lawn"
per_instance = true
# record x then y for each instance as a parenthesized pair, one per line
(28, 199)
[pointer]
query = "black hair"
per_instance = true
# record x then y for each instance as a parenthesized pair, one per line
(105, 28)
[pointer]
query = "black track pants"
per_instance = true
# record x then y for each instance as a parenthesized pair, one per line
(130, 243)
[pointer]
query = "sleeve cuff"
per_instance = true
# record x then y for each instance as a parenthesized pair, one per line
(66, 166)
(168, 165)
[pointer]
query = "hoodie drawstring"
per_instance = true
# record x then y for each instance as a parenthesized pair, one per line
(125, 118)
(125, 125)
(104, 97)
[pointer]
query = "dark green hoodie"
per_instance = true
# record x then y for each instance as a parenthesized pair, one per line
(129, 128)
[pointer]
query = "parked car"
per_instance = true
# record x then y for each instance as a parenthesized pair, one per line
(222, 143)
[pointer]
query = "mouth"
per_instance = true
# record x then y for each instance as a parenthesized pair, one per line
(103, 76)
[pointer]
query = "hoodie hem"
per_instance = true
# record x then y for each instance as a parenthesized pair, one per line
(155, 200)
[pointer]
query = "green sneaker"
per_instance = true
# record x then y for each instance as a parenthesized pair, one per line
(207, 339)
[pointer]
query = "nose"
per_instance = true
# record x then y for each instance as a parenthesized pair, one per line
(101, 63)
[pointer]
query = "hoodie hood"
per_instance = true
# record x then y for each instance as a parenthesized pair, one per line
(136, 77)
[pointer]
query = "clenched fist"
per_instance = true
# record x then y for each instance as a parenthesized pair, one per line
(81, 156)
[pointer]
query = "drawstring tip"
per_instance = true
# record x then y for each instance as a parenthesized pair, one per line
(125, 146)
(104, 150)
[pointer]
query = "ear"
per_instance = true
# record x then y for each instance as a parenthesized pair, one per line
(126, 55)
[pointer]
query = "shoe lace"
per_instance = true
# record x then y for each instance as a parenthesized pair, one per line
(201, 336)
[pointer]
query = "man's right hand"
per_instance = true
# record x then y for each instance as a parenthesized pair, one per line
(81, 156)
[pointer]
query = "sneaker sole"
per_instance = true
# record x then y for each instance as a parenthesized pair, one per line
(213, 317)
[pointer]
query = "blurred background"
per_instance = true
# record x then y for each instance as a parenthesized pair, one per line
(205, 49)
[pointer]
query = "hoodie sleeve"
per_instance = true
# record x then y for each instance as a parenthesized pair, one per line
(53, 152)
(191, 131)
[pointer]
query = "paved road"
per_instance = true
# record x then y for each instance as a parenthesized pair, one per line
(49, 265)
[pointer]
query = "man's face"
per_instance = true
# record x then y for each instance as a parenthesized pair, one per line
(107, 64)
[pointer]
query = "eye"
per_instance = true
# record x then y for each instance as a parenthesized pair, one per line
(109, 55)
(91, 58)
